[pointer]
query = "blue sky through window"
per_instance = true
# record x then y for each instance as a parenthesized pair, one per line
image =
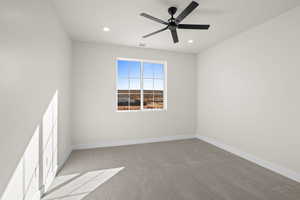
(129, 75)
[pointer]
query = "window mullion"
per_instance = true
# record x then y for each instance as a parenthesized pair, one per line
(128, 77)
(142, 86)
(153, 91)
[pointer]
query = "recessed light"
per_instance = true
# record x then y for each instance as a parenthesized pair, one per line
(106, 29)
(190, 41)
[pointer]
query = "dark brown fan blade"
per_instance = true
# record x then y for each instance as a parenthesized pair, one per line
(194, 26)
(153, 18)
(174, 35)
(186, 11)
(145, 36)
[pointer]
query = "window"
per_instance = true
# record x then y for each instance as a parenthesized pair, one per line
(140, 85)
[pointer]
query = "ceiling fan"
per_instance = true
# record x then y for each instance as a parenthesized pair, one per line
(174, 23)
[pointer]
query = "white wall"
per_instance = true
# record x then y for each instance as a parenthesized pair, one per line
(248, 91)
(94, 118)
(34, 63)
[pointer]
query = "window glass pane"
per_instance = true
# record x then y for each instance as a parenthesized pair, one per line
(158, 84)
(148, 100)
(123, 68)
(159, 92)
(148, 84)
(159, 71)
(148, 71)
(158, 100)
(130, 82)
(123, 84)
(123, 91)
(135, 69)
(135, 84)
(123, 101)
(135, 101)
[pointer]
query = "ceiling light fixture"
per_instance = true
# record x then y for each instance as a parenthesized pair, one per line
(106, 29)
(190, 41)
(173, 24)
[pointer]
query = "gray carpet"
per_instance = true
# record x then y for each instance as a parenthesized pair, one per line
(177, 170)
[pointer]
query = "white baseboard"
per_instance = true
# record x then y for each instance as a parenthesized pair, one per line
(266, 164)
(130, 142)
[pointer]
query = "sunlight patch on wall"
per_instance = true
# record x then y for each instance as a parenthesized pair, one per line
(26, 179)
(25, 182)
(50, 141)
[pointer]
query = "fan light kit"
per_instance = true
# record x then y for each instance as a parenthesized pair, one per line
(174, 23)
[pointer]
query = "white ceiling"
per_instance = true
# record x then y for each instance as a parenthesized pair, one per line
(84, 20)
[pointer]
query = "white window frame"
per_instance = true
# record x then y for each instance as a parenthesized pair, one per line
(164, 63)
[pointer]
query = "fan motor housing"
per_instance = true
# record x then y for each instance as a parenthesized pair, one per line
(172, 25)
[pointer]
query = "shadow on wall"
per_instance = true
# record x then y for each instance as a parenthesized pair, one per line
(38, 165)
(78, 186)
